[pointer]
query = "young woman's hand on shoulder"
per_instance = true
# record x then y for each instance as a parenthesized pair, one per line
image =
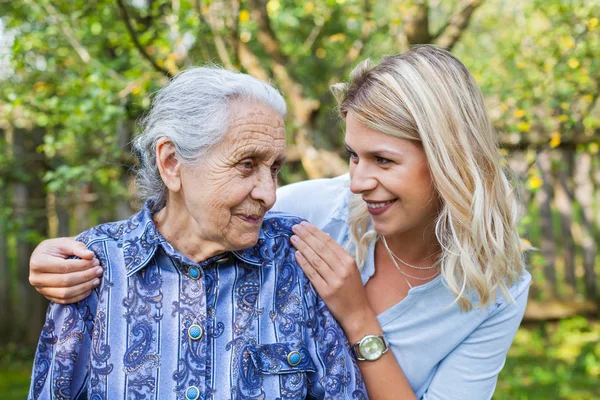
(335, 276)
(60, 278)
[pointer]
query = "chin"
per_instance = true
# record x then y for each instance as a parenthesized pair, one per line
(245, 241)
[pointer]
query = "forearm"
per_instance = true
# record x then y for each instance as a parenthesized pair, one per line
(383, 378)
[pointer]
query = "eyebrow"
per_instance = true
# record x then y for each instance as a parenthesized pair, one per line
(262, 154)
(378, 153)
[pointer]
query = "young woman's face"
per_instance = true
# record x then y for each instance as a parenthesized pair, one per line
(393, 178)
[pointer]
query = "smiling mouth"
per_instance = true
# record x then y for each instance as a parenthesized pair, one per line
(251, 218)
(373, 205)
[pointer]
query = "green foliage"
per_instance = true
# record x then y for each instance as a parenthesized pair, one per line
(553, 361)
(77, 70)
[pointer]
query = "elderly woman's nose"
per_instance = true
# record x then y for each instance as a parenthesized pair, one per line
(264, 188)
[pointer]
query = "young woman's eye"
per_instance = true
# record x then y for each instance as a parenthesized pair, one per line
(351, 155)
(382, 161)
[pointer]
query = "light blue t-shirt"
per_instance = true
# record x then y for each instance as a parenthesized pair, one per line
(444, 353)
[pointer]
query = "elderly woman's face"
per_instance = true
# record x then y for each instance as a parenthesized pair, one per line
(229, 192)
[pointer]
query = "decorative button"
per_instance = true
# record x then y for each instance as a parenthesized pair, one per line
(192, 393)
(194, 272)
(294, 358)
(195, 332)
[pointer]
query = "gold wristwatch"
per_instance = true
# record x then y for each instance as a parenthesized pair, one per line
(370, 347)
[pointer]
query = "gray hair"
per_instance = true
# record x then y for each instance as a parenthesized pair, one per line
(193, 111)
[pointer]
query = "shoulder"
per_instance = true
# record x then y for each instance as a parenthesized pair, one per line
(110, 231)
(316, 200)
(516, 304)
(277, 223)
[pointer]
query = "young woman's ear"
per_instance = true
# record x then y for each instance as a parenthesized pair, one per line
(168, 165)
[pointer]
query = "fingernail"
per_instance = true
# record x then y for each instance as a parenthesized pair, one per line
(96, 262)
(99, 271)
(96, 282)
(298, 228)
(294, 239)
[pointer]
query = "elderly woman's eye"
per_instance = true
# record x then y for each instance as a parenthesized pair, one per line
(275, 169)
(247, 165)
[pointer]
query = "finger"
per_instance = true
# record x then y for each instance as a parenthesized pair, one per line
(70, 279)
(71, 300)
(320, 242)
(71, 294)
(54, 265)
(80, 250)
(313, 275)
(314, 259)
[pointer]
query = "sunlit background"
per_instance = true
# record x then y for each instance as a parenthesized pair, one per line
(75, 75)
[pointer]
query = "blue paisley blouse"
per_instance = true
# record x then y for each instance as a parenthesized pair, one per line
(240, 325)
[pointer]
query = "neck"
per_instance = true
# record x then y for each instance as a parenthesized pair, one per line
(183, 232)
(418, 249)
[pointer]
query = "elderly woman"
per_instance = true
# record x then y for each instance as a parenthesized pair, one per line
(201, 295)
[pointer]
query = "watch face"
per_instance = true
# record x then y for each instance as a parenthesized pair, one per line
(371, 348)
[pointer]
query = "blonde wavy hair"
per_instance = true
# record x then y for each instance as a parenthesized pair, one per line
(427, 95)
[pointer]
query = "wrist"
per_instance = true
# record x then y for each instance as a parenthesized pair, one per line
(360, 323)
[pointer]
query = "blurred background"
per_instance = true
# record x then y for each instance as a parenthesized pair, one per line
(75, 75)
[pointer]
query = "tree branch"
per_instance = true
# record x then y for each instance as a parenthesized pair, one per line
(449, 34)
(81, 51)
(538, 146)
(219, 22)
(136, 40)
(367, 29)
(416, 23)
(66, 30)
(266, 36)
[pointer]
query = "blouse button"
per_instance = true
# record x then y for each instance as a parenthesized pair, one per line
(192, 393)
(194, 272)
(195, 332)
(294, 358)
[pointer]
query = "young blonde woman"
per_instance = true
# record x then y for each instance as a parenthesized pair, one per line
(416, 252)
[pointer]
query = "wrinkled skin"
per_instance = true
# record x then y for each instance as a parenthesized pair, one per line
(219, 203)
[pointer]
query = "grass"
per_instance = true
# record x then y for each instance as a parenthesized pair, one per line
(552, 360)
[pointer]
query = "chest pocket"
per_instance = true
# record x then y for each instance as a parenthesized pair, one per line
(282, 370)
(281, 358)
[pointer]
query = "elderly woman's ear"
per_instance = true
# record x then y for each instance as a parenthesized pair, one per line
(168, 164)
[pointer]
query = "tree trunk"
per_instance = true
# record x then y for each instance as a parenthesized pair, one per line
(5, 278)
(584, 194)
(30, 210)
(124, 135)
(62, 214)
(544, 200)
(563, 189)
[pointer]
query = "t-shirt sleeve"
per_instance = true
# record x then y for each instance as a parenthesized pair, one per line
(471, 370)
(315, 200)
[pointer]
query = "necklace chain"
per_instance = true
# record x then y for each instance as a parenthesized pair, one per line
(432, 266)
(404, 274)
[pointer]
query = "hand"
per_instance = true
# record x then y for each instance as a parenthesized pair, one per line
(60, 279)
(335, 276)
